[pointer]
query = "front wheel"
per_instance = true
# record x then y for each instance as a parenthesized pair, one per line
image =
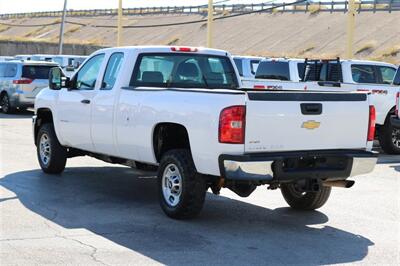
(51, 155)
(389, 138)
(301, 200)
(181, 189)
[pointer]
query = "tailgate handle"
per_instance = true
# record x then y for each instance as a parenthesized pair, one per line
(329, 83)
(311, 108)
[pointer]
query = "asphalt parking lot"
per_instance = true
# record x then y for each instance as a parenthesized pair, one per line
(98, 213)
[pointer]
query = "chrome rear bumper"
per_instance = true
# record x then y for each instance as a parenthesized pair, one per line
(287, 166)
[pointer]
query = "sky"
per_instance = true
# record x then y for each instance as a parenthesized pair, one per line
(20, 6)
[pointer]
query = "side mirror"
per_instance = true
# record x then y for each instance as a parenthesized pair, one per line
(55, 78)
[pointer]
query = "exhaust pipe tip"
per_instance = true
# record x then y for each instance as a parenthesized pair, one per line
(339, 183)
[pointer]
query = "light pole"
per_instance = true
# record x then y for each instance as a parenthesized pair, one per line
(119, 33)
(210, 24)
(351, 17)
(61, 38)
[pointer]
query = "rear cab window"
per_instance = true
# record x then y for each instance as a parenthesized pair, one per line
(184, 70)
(36, 71)
(273, 70)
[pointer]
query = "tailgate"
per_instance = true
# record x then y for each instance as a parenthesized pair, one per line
(290, 121)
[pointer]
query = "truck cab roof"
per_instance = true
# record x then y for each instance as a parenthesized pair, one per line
(166, 49)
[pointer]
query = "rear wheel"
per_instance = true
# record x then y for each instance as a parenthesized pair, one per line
(5, 104)
(389, 138)
(181, 189)
(51, 155)
(298, 199)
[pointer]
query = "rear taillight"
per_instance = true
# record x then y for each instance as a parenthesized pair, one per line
(232, 121)
(183, 49)
(371, 123)
(396, 111)
(22, 81)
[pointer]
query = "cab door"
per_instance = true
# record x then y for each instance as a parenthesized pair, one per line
(103, 106)
(75, 105)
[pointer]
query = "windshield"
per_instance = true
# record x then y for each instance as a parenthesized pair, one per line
(185, 70)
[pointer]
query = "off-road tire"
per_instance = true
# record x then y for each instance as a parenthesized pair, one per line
(306, 200)
(193, 185)
(58, 154)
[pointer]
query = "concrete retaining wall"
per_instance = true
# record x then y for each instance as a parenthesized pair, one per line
(16, 47)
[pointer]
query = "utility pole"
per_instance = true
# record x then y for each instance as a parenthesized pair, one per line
(210, 24)
(119, 33)
(351, 17)
(61, 38)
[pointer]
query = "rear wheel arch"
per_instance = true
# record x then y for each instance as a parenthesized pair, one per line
(169, 136)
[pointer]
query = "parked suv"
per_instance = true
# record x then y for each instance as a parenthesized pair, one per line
(20, 82)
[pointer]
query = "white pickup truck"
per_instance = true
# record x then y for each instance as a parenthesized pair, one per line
(335, 75)
(247, 65)
(395, 120)
(181, 110)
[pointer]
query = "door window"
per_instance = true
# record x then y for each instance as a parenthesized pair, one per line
(112, 70)
(364, 74)
(387, 74)
(87, 75)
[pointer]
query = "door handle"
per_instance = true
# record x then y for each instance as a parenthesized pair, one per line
(85, 101)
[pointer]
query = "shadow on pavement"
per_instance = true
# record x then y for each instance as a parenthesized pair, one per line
(114, 203)
(17, 115)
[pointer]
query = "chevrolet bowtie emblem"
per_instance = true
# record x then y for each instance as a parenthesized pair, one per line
(311, 124)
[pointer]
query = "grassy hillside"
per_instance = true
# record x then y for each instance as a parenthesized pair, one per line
(300, 35)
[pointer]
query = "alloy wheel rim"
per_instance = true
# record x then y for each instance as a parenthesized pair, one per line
(4, 104)
(396, 137)
(45, 149)
(171, 185)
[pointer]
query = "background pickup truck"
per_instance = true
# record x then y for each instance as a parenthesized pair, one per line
(247, 65)
(337, 75)
(181, 110)
(396, 117)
